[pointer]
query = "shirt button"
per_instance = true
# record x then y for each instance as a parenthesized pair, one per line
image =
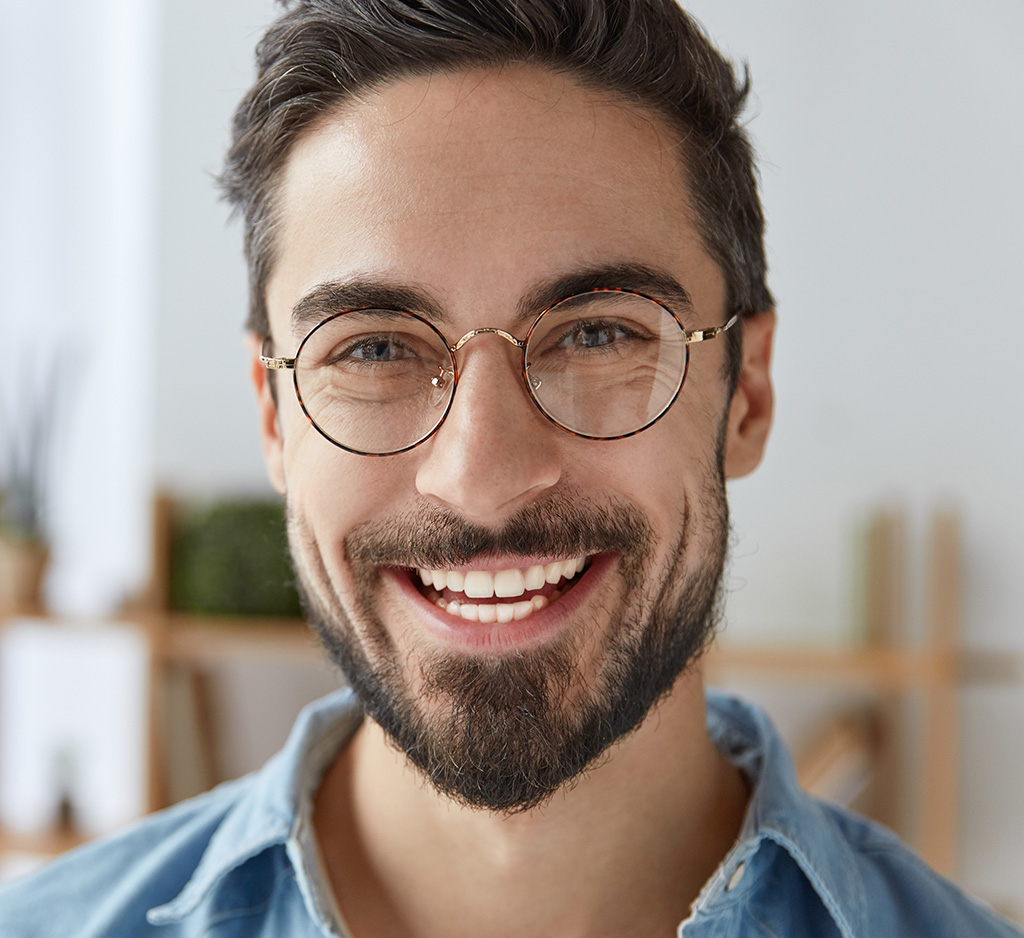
(737, 875)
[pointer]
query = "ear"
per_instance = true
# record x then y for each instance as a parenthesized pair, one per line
(750, 412)
(270, 425)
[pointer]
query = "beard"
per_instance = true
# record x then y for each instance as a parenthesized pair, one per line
(505, 732)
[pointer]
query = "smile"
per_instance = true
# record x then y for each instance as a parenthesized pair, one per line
(526, 589)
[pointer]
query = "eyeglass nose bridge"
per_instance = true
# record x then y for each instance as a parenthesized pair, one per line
(486, 330)
(440, 381)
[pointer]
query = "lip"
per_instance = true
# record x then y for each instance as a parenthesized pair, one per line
(502, 637)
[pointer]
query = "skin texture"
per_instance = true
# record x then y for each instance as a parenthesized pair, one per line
(475, 191)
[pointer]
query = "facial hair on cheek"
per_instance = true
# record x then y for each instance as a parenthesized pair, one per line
(505, 733)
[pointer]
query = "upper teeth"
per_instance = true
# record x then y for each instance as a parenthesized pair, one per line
(484, 584)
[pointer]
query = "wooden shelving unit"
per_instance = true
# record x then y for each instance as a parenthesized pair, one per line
(893, 673)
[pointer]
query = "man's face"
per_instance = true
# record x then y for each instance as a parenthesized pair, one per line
(472, 198)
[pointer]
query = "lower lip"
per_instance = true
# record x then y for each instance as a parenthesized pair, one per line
(500, 637)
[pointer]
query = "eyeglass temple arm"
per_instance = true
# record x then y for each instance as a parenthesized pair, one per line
(702, 335)
(268, 361)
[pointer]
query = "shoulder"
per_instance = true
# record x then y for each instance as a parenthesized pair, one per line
(810, 857)
(218, 857)
(106, 887)
(900, 894)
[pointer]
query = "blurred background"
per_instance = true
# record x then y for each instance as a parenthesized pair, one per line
(890, 146)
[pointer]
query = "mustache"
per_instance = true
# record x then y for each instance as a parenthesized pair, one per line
(436, 537)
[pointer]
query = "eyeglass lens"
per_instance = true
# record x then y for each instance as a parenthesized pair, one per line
(601, 364)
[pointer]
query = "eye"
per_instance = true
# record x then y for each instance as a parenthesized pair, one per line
(375, 350)
(382, 350)
(587, 335)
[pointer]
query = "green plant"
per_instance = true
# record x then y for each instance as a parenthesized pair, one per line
(231, 557)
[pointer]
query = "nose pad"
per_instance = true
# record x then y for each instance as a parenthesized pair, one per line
(440, 388)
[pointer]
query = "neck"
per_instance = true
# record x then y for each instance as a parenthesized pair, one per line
(624, 850)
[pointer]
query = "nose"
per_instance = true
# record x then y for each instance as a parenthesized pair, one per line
(495, 451)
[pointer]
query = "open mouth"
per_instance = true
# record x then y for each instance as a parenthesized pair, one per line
(500, 595)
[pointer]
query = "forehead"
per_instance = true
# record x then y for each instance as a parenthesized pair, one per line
(479, 184)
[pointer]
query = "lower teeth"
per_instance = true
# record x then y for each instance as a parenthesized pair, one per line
(494, 612)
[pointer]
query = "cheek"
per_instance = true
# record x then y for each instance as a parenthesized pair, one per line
(672, 468)
(332, 491)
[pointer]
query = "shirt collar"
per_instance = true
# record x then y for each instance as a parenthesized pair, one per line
(781, 812)
(273, 804)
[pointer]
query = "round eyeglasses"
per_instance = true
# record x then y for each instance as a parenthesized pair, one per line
(603, 365)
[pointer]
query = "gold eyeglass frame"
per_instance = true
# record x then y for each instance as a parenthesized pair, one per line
(689, 337)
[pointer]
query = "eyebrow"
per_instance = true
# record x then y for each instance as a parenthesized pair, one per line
(327, 299)
(640, 278)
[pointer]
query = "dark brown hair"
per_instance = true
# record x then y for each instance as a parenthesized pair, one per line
(320, 53)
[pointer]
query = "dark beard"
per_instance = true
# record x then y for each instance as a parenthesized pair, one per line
(510, 730)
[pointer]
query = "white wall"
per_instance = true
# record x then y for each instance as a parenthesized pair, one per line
(891, 152)
(77, 169)
(207, 440)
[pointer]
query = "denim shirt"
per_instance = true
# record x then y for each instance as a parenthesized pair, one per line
(241, 860)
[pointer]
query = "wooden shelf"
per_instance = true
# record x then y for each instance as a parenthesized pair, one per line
(204, 639)
(872, 668)
(45, 844)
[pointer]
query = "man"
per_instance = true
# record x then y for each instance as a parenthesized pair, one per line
(487, 242)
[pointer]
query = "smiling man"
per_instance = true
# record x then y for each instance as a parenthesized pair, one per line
(510, 335)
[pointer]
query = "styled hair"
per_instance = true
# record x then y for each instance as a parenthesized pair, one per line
(320, 53)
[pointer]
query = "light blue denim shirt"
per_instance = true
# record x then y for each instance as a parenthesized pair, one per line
(241, 860)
